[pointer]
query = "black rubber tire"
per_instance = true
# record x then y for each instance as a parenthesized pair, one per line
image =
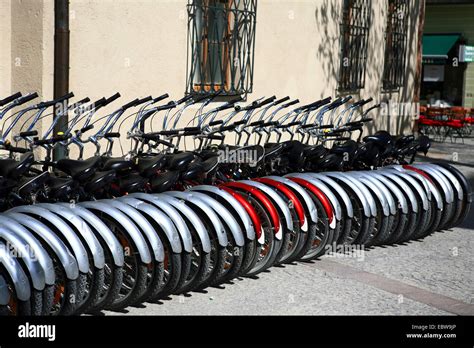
(113, 283)
(399, 226)
(273, 244)
(173, 278)
(218, 255)
(155, 283)
(139, 288)
(323, 235)
(48, 298)
(310, 236)
(70, 294)
(237, 260)
(36, 302)
(250, 250)
(96, 281)
(448, 212)
(185, 271)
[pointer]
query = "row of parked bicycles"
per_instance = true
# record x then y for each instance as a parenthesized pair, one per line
(182, 209)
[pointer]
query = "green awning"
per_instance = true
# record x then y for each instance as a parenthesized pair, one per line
(438, 46)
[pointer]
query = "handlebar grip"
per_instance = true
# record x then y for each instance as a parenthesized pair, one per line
(88, 128)
(98, 103)
(269, 124)
(168, 132)
(27, 98)
(144, 100)
(160, 98)
(184, 99)
(10, 99)
(256, 124)
(164, 142)
(227, 128)
(266, 101)
(367, 101)
(216, 123)
(56, 101)
(291, 103)
(83, 101)
(288, 125)
(282, 100)
(18, 149)
(239, 123)
(28, 134)
(151, 136)
(366, 120)
(192, 132)
(112, 135)
(112, 99)
(191, 129)
(129, 105)
(229, 104)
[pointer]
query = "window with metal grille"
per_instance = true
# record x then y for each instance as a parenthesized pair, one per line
(354, 41)
(396, 37)
(221, 45)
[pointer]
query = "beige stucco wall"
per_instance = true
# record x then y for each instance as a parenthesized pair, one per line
(139, 48)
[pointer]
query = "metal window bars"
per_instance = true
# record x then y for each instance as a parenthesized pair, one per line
(396, 37)
(354, 43)
(221, 46)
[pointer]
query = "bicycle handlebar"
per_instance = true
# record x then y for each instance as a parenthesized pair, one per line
(10, 99)
(55, 101)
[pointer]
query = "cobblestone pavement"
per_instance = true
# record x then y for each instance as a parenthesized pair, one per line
(429, 277)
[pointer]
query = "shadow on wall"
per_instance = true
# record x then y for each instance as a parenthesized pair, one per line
(329, 56)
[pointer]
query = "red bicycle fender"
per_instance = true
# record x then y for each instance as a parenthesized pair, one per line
(288, 193)
(319, 194)
(419, 171)
(249, 208)
(262, 198)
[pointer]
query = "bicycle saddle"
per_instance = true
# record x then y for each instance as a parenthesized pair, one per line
(148, 166)
(193, 171)
(59, 187)
(348, 147)
(180, 161)
(81, 170)
(331, 162)
(274, 150)
(117, 164)
(28, 185)
(133, 183)
(10, 168)
(381, 138)
(165, 181)
(100, 180)
(210, 164)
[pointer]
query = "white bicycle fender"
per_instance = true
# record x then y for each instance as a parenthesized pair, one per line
(92, 242)
(16, 273)
(161, 219)
(401, 200)
(340, 191)
(101, 229)
(78, 249)
(241, 212)
(216, 222)
(126, 223)
(42, 231)
(146, 228)
(19, 246)
(454, 181)
(39, 252)
(384, 196)
(422, 191)
(173, 213)
(442, 180)
(368, 202)
(222, 212)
